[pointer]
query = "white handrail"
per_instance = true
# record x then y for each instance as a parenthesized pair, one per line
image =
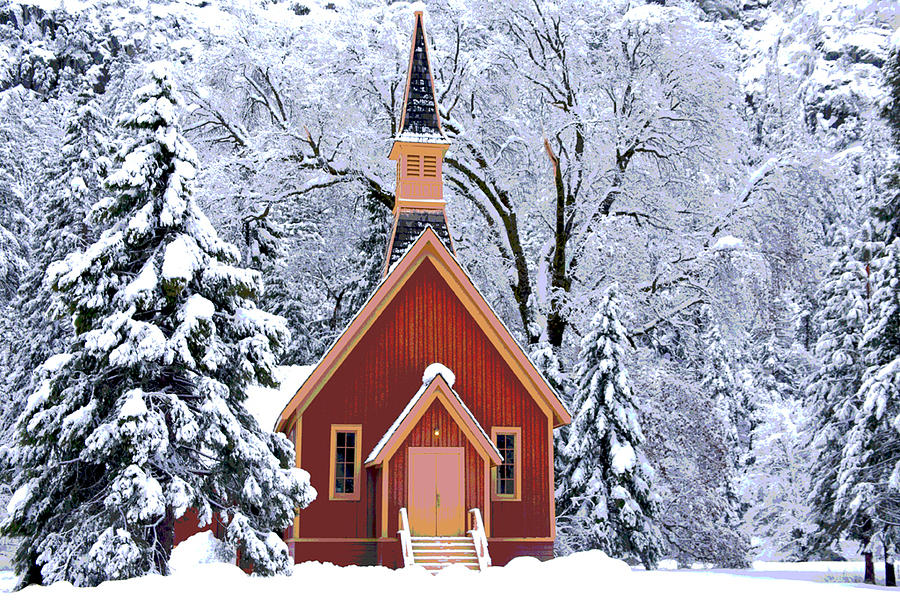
(479, 538)
(405, 539)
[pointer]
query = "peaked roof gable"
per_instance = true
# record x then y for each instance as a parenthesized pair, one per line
(439, 390)
(428, 247)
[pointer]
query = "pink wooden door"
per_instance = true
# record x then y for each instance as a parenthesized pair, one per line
(436, 493)
(422, 486)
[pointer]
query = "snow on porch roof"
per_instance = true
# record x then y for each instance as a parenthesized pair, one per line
(437, 387)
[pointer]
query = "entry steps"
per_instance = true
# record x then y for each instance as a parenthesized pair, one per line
(436, 553)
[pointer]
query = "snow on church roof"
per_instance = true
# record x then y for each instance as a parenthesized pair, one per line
(420, 114)
(265, 404)
(410, 225)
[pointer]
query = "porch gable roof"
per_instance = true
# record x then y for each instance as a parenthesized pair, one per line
(416, 408)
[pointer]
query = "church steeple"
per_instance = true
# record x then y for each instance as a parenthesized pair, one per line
(420, 114)
(419, 150)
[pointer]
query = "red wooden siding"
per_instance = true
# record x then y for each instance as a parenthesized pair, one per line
(188, 525)
(342, 553)
(425, 323)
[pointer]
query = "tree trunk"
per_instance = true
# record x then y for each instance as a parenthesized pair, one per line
(165, 540)
(890, 578)
(870, 568)
(33, 575)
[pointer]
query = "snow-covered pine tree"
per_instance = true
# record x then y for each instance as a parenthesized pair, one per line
(73, 186)
(143, 416)
(546, 358)
(889, 214)
(605, 490)
(869, 477)
(721, 384)
(831, 394)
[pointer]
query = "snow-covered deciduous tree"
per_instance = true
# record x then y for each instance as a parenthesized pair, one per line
(605, 493)
(687, 444)
(776, 482)
(369, 257)
(777, 517)
(142, 417)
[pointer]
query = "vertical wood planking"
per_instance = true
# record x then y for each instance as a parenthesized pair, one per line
(425, 323)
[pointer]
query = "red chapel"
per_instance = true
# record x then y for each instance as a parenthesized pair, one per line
(425, 428)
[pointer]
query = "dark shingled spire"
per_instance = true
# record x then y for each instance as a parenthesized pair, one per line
(410, 224)
(420, 109)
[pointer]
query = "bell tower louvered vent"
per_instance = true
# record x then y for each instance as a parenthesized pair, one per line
(429, 167)
(412, 165)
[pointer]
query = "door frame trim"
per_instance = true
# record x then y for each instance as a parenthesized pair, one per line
(459, 451)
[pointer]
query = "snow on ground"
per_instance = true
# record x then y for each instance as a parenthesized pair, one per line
(589, 580)
(728, 242)
(202, 548)
(828, 572)
(265, 404)
(7, 582)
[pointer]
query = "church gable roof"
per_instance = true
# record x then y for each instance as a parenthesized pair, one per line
(429, 247)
